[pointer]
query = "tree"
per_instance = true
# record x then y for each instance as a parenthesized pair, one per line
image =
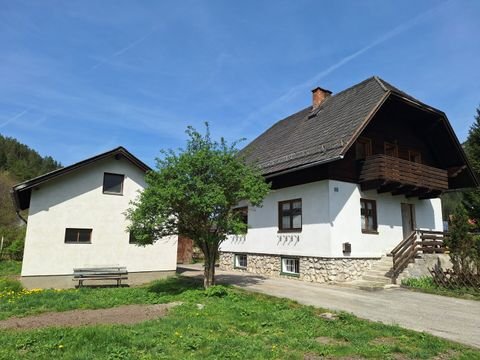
(471, 198)
(193, 193)
(461, 243)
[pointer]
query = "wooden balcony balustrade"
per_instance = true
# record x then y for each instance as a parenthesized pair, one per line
(402, 177)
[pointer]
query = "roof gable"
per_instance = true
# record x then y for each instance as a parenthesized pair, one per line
(313, 137)
(320, 135)
(21, 192)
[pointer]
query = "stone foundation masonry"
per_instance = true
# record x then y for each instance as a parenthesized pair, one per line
(314, 269)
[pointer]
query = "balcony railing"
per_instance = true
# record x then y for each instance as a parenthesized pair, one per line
(399, 176)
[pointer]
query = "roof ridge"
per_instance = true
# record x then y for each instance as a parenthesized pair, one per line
(380, 82)
(84, 162)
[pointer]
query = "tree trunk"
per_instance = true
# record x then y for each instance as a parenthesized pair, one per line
(209, 272)
(210, 251)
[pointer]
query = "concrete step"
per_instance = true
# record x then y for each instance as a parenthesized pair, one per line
(364, 285)
(377, 278)
(377, 272)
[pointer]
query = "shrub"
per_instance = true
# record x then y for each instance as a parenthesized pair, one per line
(7, 284)
(217, 290)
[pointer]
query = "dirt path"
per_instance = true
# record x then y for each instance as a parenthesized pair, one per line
(127, 314)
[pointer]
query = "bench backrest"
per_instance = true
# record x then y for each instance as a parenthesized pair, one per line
(111, 270)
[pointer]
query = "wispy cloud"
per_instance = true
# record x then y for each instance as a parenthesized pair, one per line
(309, 83)
(14, 117)
(125, 49)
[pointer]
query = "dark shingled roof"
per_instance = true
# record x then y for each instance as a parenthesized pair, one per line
(320, 135)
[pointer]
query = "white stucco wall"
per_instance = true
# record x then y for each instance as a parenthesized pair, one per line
(76, 201)
(331, 216)
(263, 236)
(346, 223)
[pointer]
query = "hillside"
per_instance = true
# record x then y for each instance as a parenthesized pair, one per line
(18, 162)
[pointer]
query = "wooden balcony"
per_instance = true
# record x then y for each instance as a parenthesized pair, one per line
(402, 177)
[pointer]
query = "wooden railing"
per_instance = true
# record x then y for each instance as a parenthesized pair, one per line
(419, 241)
(393, 169)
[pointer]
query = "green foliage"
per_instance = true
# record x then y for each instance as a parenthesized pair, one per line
(23, 162)
(450, 201)
(10, 267)
(217, 290)
(13, 242)
(18, 162)
(244, 326)
(472, 148)
(193, 192)
(461, 243)
(7, 284)
(426, 284)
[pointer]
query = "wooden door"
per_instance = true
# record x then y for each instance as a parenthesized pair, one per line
(408, 219)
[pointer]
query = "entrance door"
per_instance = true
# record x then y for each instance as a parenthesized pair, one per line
(408, 219)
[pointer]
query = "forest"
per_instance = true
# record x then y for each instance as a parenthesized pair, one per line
(18, 163)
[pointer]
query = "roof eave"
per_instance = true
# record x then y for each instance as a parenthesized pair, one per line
(301, 167)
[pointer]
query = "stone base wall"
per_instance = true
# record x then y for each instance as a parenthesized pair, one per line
(314, 269)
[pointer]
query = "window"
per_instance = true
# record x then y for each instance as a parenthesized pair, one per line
(243, 214)
(113, 183)
(368, 215)
(240, 261)
(131, 238)
(414, 156)
(363, 148)
(78, 236)
(290, 215)
(290, 266)
(391, 149)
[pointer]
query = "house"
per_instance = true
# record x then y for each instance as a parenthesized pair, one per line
(352, 176)
(76, 220)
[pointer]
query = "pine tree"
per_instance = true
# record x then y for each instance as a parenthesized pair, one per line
(471, 198)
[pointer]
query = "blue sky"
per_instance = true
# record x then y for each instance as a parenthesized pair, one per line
(81, 77)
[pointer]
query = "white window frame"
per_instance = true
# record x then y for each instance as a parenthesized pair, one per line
(237, 261)
(290, 262)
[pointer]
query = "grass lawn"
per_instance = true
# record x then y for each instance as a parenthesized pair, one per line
(231, 324)
(427, 285)
(10, 267)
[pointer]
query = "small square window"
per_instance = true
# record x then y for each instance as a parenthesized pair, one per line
(290, 266)
(113, 183)
(240, 261)
(78, 236)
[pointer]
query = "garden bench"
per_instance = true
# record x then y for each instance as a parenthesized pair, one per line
(117, 273)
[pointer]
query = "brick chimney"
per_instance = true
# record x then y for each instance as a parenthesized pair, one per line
(318, 96)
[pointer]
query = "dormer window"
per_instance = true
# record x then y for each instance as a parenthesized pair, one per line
(113, 183)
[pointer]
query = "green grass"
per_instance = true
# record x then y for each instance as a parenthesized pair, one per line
(10, 267)
(233, 324)
(426, 284)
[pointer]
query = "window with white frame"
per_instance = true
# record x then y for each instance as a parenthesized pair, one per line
(290, 266)
(241, 261)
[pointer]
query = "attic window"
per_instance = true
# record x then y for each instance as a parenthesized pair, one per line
(113, 183)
